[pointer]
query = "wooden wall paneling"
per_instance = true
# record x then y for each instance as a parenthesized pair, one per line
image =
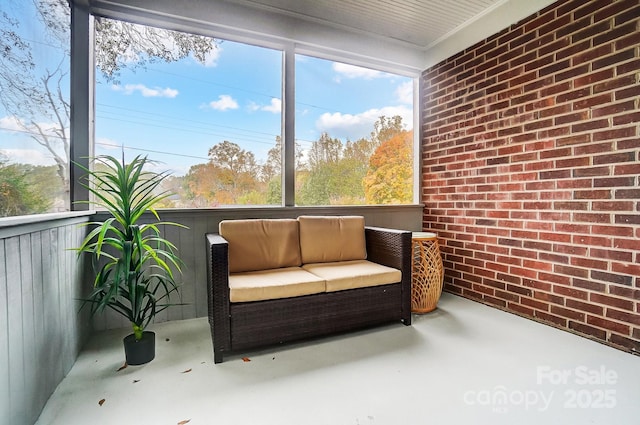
(4, 334)
(14, 322)
(172, 234)
(188, 253)
(28, 325)
(199, 229)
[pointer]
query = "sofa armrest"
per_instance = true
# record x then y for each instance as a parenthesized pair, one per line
(218, 293)
(392, 248)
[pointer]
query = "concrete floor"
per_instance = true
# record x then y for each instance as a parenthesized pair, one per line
(463, 363)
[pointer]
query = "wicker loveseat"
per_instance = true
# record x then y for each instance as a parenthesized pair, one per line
(277, 280)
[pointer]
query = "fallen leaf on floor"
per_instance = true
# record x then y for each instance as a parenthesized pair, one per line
(186, 421)
(124, 366)
(101, 402)
(186, 371)
(136, 380)
(246, 359)
(167, 340)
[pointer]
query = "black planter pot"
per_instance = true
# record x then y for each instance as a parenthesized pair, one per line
(140, 352)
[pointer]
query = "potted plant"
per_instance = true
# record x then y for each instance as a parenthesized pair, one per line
(133, 263)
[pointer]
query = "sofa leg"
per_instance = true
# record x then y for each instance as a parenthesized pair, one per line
(217, 357)
(406, 320)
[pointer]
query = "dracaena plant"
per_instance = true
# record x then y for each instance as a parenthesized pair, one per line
(134, 265)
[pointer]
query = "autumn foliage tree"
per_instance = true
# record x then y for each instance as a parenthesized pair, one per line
(390, 176)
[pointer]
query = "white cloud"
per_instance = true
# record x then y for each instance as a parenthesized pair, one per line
(28, 156)
(145, 91)
(223, 103)
(211, 59)
(353, 127)
(13, 124)
(275, 106)
(404, 92)
(10, 123)
(352, 71)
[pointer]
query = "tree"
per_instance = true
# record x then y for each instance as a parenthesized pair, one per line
(36, 96)
(390, 176)
(386, 128)
(17, 194)
(232, 176)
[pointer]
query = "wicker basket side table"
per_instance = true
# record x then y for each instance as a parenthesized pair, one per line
(427, 272)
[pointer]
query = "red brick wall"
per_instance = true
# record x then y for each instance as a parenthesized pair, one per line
(531, 164)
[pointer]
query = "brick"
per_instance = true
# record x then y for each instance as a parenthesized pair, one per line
(592, 171)
(573, 140)
(616, 32)
(554, 278)
(520, 309)
(628, 67)
(627, 194)
(538, 305)
(573, 117)
(588, 330)
(614, 158)
(594, 77)
(612, 231)
(494, 301)
(629, 15)
(592, 217)
(586, 307)
(632, 117)
(590, 125)
(571, 271)
(618, 279)
(613, 109)
(626, 93)
(589, 7)
(612, 206)
(614, 181)
(629, 344)
(550, 298)
(631, 318)
(592, 101)
(554, 68)
(608, 324)
(613, 59)
(589, 55)
(567, 313)
(589, 285)
(627, 219)
(592, 240)
(627, 269)
(560, 321)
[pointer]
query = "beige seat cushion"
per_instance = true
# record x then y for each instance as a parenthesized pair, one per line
(326, 239)
(354, 274)
(273, 284)
(261, 244)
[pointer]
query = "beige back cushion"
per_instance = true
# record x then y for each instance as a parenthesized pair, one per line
(325, 239)
(261, 244)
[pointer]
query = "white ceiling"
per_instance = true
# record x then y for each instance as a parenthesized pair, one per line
(404, 36)
(421, 23)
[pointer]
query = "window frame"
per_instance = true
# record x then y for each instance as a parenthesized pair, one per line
(83, 81)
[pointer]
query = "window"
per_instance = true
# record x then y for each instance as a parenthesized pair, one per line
(34, 107)
(354, 135)
(208, 110)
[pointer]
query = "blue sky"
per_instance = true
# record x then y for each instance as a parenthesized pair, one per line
(175, 112)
